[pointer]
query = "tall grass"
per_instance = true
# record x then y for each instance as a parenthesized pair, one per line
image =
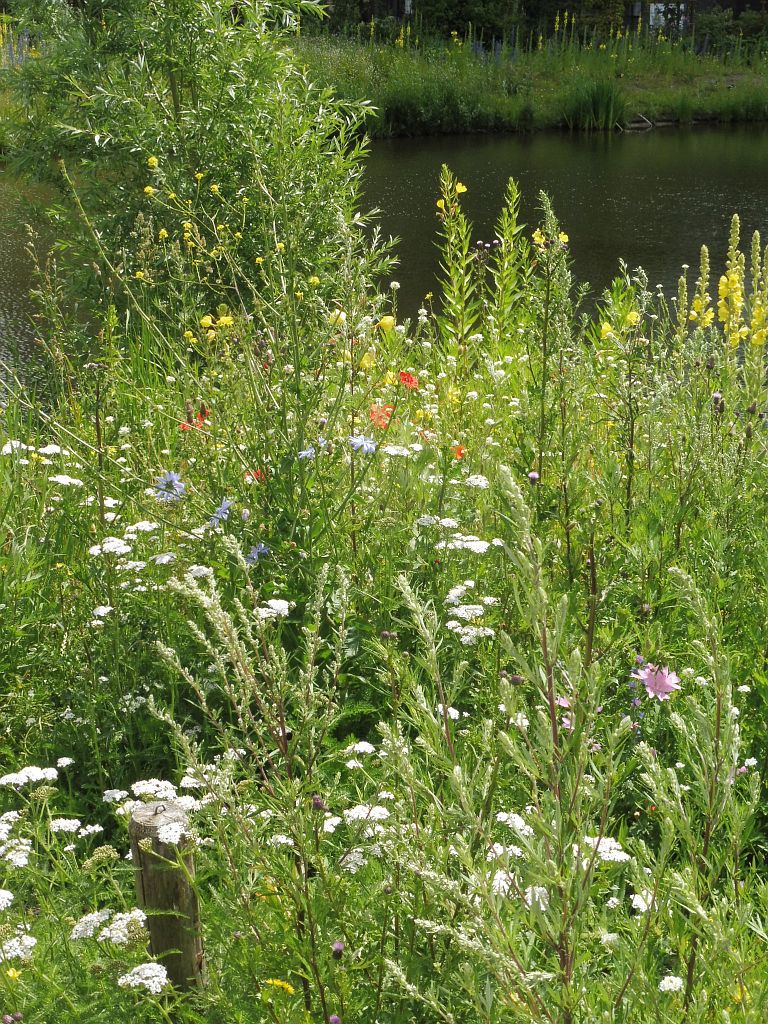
(419, 87)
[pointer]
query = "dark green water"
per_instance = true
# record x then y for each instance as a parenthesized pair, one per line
(651, 199)
(16, 328)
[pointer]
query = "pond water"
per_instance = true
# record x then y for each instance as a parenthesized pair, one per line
(16, 309)
(651, 199)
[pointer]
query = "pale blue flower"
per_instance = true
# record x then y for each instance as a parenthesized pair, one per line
(256, 552)
(169, 487)
(359, 443)
(221, 513)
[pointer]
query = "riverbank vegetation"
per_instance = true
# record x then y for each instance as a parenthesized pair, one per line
(447, 635)
(572, 79)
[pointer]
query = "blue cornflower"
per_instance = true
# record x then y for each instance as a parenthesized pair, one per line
(169, 487)
(359, 443)
(255, 553)
(221, 513)
(307, 453)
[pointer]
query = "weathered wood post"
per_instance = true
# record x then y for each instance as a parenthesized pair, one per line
(165, 890)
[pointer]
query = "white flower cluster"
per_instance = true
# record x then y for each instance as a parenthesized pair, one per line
(110, 546)
(515, 822)
(608, 850)
(477, 480)
(6, 899)
(123, 927)
(156, 788)
(467, 542)
(671, 983)
(153, 977)
(65, 824)
(16, 852)
(275, 608)
(172, 833)
(29, 774)
(18, 948)
(503, 882)
(537, 897)
(87, 926)
(366, 812)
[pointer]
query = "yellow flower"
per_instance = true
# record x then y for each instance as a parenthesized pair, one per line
(162, 234)
(225, 321)
(337, 317)
(259, 260)
(199, 176)
(441, 204)
(563, 238)
(172, 195)
(188, 334)
(387, 323)
(633, 317)
(210, 335)
(152, 163)
(139, 275)
(606, 331)
(389, 378)
(280, 247)
(148, 190)
(279, 983)
(460, 188)
(12, 974)
(538, 237)
(453, 395)
(299, 295)
(207, 321)
(214, 189)
(314, 280)
(238, 235)
(369, 360)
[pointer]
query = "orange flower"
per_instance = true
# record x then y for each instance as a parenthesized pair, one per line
(381, 415)
(458, 451)
(409, 381)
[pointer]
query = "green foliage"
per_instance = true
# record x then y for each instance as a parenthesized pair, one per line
(447, 634)
(585, 78)
(596, 105)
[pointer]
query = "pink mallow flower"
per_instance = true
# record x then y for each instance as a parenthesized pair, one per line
(658, 682)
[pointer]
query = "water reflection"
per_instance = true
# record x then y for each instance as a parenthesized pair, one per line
(651, 198)
(16, 308)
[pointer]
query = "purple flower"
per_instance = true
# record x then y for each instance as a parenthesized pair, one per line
(337, 950)
(169, 487)
(221, 513)
(533, 477)
(256, 552)
(658, 682)
(307, 453)
(334, 1019)
(364, 444)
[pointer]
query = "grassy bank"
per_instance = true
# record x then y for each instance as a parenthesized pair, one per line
(450, 88)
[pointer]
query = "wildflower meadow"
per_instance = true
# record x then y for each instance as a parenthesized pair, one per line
(436, 642)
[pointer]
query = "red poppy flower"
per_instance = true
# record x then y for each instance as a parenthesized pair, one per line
(409, 381)
(458, 451)
(198, 423)
(381, 415)
(254, 476)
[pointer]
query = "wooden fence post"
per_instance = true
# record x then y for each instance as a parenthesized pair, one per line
(165, 891)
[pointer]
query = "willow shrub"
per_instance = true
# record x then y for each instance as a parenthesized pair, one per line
(199, 98)
(449, 632)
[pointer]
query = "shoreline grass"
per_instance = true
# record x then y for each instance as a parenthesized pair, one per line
(441, 89)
